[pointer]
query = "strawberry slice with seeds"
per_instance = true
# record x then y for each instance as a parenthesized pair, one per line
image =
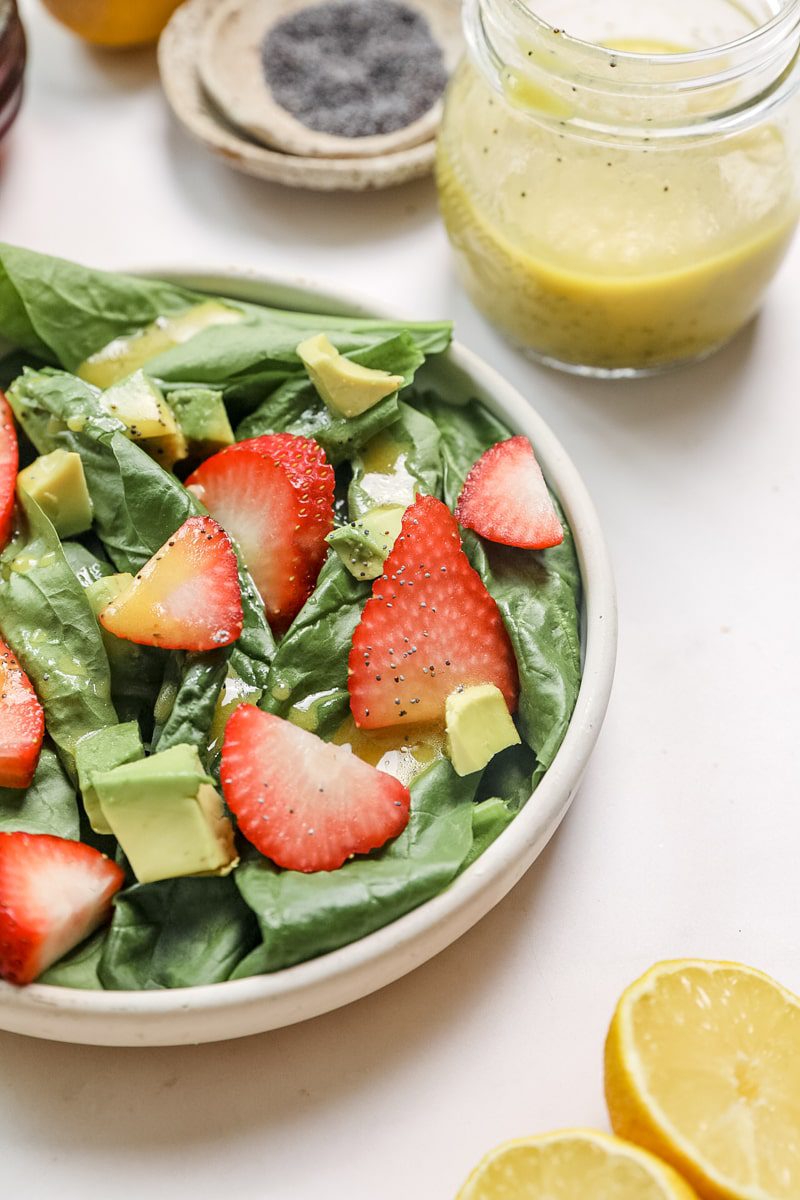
(53, 894)
(274, 495)
(429, 628)
(21, 723)
(505, 498)
(9, 465)
(306, 804)
(187, 597)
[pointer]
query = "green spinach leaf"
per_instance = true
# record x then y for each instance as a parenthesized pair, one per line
(78, 969)
(179, 933)
(308, 680)
(194, 700)
(62, 313)
(46, 620)
(49, 805)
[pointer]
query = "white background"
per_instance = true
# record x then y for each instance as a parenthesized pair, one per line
(684, 839)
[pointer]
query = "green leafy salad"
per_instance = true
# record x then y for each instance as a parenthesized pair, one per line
(289, 628)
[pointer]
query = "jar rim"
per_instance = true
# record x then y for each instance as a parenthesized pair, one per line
(786, 17)
(721, 88)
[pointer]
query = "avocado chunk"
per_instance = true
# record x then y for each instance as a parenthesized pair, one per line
(126, 659)
(127, 354)
(346, 386)
(58, 485)
(364, 545)
(478, 726)
(102, 750)
(140, 405)
(167, 816)
(201, 414)
(100, 593)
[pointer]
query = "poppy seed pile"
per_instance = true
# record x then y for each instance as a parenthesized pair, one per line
(354, 68)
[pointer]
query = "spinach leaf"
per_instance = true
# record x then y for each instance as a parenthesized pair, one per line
(49, 805)
(397, 464)
(301, 916)
(46, 620)
(178, 933)
(541, 613)
(137, 504)
(505, 788)
(194, 700)
(78, 969)
(308, 680)
(489, 819)
(63, 313)
(86, 566)
(465, 431)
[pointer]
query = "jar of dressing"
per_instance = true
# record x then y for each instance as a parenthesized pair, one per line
(620, 180)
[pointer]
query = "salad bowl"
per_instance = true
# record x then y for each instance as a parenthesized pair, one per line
(241, 1007)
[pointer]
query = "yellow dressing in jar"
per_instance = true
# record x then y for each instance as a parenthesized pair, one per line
(616, 223)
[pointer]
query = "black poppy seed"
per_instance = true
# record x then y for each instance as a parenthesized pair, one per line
(354, 68)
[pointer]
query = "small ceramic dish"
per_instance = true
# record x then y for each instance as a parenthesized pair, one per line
(232, 73)
(221, 1011)
(180, 53)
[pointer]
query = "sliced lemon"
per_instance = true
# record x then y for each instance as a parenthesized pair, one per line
(703, 1068)
(575, 1164)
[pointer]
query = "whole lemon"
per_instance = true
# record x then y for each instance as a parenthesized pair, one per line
(114, 22)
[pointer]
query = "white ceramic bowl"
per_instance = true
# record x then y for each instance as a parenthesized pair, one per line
(220, 1011)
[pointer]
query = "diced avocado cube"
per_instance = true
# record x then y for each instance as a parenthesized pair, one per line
(364, 545)
(167, 816)
(58, 485)
(346, 387)
(100, 593)
(203, 419)
(140, 405)
(101, 751)
(478, 726)
(127, 354)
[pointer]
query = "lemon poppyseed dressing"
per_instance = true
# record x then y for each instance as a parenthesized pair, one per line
(619, 204)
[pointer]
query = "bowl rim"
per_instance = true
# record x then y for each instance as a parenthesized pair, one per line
(203, 1013)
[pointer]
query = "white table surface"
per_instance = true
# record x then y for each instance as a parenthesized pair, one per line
(684, 837)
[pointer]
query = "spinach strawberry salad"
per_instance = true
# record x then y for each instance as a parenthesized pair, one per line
(289, 622)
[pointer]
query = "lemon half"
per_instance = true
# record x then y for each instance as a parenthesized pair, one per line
(575, 1164)
(703, 1068)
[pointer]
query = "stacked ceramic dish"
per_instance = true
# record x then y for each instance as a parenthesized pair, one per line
(215, 69)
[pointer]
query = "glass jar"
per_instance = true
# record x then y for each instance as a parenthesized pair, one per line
(620, 179)
(12, 64)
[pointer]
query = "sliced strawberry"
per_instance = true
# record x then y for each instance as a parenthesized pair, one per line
(274, 495)
(429, 627)
(187, 597)
(53, 894)
(21, 723)
(505, 498)
(306, 804)
(9, 465)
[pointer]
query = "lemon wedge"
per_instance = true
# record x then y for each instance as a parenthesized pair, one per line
(703, 1068)
(575, 1164)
